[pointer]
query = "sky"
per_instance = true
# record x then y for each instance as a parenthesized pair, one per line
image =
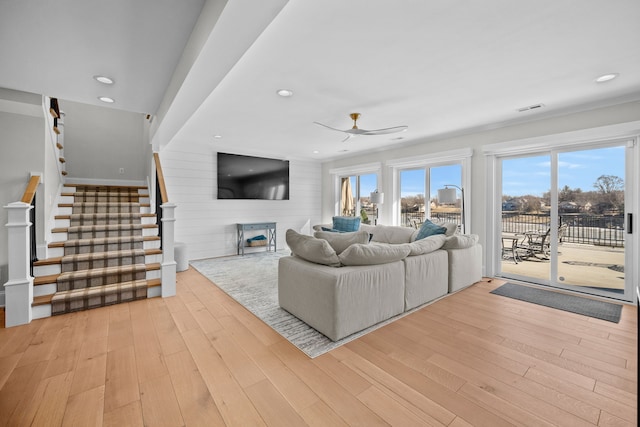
(577, 169)
(521, 176)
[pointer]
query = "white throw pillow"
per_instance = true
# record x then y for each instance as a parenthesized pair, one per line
(427, 245)
(392, 234)
(341, 241)
(460, 241)
(311, 249)
(371, 254)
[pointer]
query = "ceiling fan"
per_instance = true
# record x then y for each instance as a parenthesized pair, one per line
(355, 131)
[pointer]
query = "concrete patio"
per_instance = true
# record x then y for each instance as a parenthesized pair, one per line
(578, 264)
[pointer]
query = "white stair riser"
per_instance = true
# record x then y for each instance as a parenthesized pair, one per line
(62, 223)
(64, 210)
(58, 237)
(155, 291)
(148, 220)
(41, 311)
(66, 199)
(45, 270)
(48, 289)
(154, 274)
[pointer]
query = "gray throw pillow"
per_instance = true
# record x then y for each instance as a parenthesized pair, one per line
(373, 253)
(311, 249)
(341, 241)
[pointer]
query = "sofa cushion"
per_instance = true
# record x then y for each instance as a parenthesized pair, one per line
(346, 223)
(426, 245)
(428, 228)
(390, 234)
(341, 241)
(460, 241)
(311, 249)
(359, 254)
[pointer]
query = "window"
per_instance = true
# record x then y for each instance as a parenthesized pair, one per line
(419, 182)
(354, 196)
(353, 186)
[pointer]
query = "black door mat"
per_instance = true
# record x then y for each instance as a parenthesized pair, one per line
(574, 304)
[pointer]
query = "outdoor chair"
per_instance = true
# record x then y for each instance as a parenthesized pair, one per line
(536, 244)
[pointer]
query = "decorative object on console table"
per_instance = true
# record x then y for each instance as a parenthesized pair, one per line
(270, 238)
(376, 199)
(448, 195)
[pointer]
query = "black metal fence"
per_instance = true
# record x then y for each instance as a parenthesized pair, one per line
(600, 230)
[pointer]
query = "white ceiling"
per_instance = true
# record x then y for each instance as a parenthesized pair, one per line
(438, 66)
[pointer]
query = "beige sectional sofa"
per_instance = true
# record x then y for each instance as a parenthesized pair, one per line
(342, 283)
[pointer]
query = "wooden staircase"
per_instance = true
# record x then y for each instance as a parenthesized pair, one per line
(105, 250)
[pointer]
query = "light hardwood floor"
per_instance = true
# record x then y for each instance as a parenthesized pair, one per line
(471, 359)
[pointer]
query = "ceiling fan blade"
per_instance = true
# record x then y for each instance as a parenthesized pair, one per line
(329, 127)
(349, 136)
(385, 130)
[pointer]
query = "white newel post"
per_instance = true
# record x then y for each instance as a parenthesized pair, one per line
(168, 256)
(19, 288)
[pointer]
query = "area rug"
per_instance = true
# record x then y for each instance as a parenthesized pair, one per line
(574, 304)
(252, 280)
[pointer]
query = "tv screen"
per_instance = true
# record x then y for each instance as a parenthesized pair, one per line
(247, 177)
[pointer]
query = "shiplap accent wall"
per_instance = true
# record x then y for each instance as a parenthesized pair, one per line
(208, 226)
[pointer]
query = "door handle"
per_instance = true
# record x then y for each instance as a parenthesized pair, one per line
(629, 223)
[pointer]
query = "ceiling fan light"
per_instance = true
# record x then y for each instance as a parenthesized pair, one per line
(104, 79)
(285, 93)
(606, 77)
(106, 99)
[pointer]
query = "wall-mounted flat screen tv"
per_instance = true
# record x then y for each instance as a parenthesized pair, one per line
(247, 177)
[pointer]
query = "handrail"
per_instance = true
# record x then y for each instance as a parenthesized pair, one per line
(30, 192)
(160, 176)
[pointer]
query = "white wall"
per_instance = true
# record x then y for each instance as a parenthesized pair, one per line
(622, 113)
(21, 152)
(98, 141)
(208, 225)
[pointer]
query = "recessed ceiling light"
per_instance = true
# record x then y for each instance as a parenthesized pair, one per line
(315, 152)
(606, 77)
(286, 93)
(106, 99)
(104, 79)
(217, 136)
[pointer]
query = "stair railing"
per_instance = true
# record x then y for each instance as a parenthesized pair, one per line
(21, 228)
(29, 197)
(165, 212)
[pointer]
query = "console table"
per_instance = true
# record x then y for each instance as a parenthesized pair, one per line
(269, 227)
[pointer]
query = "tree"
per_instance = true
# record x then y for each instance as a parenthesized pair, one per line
(610, 188)
(607, 184)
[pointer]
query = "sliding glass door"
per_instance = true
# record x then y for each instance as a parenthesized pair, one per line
(563, 219)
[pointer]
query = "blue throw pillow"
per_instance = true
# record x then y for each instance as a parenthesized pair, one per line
(429, 229)
(346, 223)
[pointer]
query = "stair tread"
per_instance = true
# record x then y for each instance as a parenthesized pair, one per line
(142, 215)
(53, 278)
(61, 295)
(100, 271)
(144, 238)
(103, 255)
(58, 260)
(100, 227)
